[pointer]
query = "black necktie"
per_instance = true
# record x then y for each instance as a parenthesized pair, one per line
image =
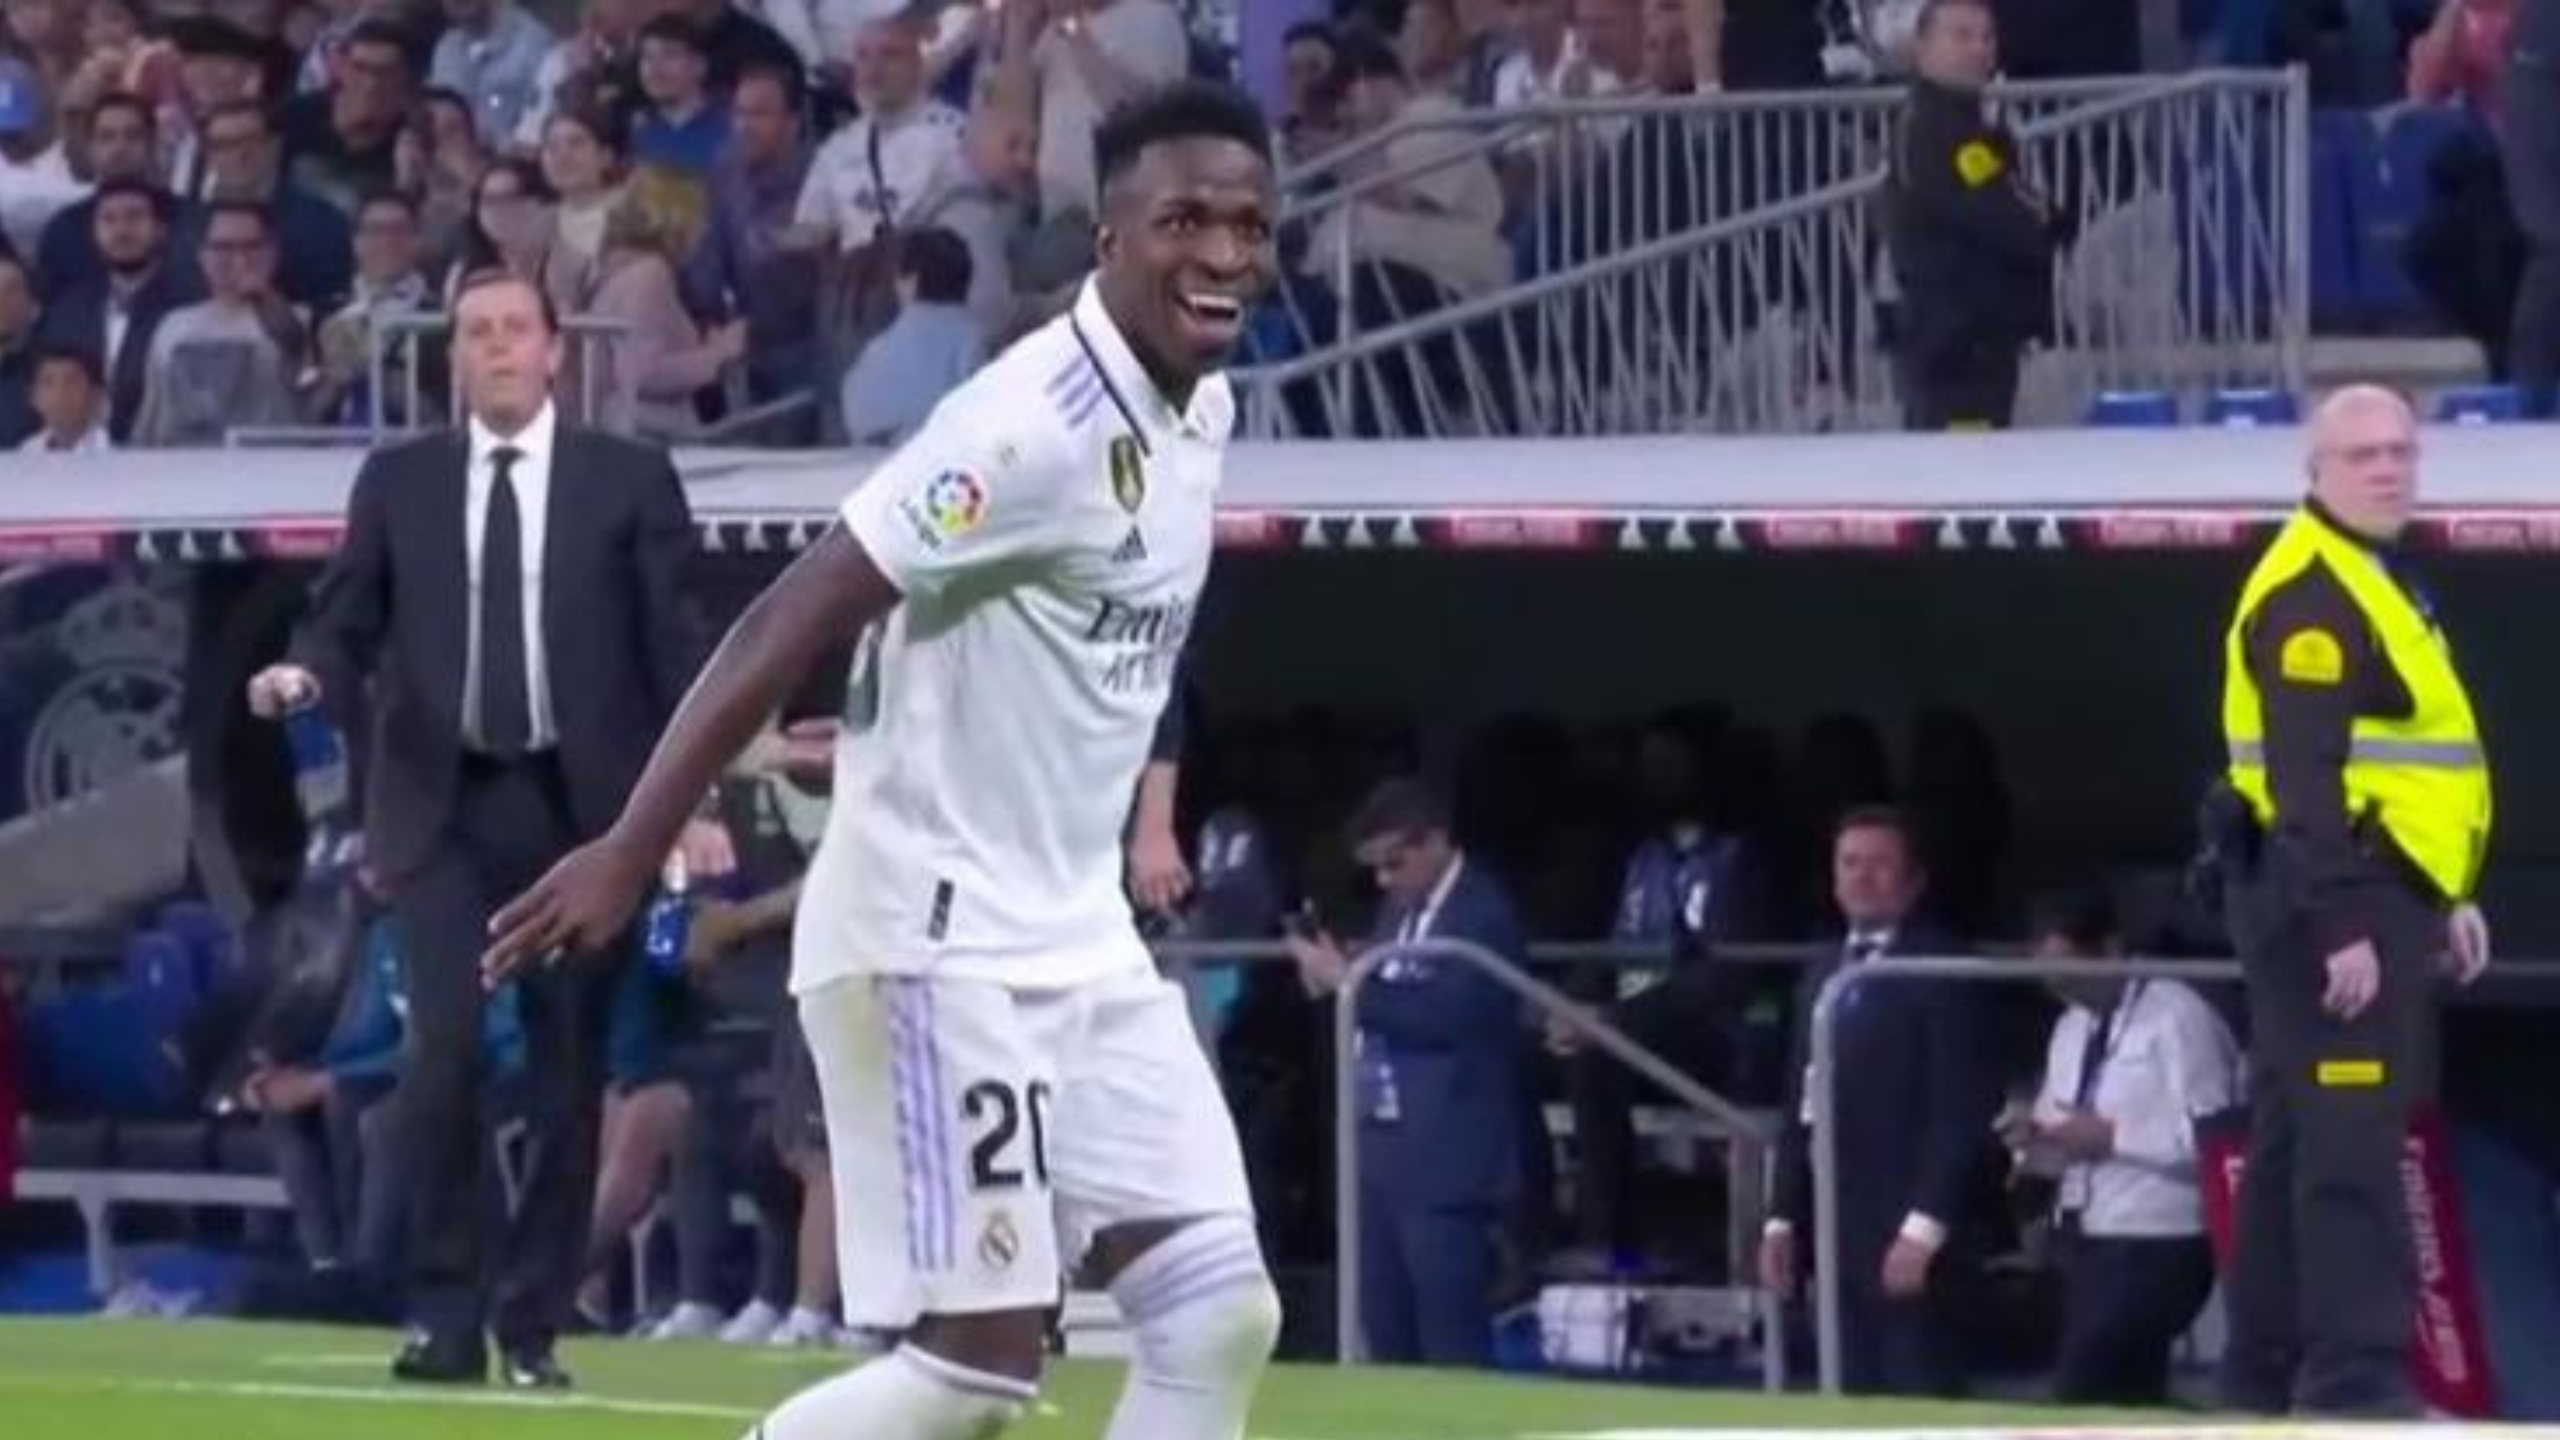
(506, 717)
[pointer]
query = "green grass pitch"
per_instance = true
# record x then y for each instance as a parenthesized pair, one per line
(90, 1379)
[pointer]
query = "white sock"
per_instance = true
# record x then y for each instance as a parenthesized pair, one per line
(1202, 1317)
(904, 1395)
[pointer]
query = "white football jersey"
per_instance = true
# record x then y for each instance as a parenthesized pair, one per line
(1049, 528)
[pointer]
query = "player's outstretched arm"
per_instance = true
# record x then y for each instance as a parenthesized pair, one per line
(827, 597)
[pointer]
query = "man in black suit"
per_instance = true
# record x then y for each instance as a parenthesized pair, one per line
(514, 698)
(1914, 1102)
(115, 316)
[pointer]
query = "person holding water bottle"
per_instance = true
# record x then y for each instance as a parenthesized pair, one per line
(508, 603)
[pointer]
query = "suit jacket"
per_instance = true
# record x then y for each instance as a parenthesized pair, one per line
(1916, 1094)
(1451, 1035)
(80, 318)
(392, 608)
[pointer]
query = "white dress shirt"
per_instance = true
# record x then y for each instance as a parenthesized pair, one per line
(2168, 1061)
(531, 479)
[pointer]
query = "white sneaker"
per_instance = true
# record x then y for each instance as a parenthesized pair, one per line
(753, 1325)
(688, 1321)
(805, 1330)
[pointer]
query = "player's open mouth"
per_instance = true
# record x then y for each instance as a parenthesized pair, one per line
(1207, 310)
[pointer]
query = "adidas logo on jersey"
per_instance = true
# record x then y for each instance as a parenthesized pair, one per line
(1132, 550)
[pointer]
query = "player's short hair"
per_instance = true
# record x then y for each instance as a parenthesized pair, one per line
(79, 357)
(494, 276)
(1183, 110)
(938, 261)
(2086, 917)
(1404, 805)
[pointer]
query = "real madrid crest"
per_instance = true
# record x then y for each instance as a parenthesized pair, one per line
(997, 1244)
(1128, 473)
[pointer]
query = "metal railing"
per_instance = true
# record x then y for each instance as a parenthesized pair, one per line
(1823, 1090)
(1746, 1134)
(1717, 262)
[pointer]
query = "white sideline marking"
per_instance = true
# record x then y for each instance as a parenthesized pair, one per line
(490, 1399)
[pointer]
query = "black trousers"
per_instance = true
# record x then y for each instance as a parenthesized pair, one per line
(1891, 1346)
(2323, 1286)
(730, 1147)
(1973, 386)
(2125, 1302)
(510, 823)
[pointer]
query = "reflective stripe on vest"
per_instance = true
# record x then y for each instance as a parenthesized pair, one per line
(2438, 754)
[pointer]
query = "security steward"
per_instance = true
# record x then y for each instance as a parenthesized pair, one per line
(1972, 240)
(2355, 817)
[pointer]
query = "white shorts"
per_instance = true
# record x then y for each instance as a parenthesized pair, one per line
(980, 1135)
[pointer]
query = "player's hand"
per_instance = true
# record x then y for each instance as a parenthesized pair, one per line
(1906, 1267)
(1778, 1270)
(707, 848)
(279, 690)
(2355, 977)
(2466, 944)
(1158, 878)
(582, 904)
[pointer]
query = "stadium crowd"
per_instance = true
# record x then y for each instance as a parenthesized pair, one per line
(802, 222)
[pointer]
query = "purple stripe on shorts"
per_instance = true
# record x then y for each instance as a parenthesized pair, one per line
(937, 1116)
(904, 1061)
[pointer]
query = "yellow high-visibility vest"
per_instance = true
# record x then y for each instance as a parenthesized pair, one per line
(2425, 779)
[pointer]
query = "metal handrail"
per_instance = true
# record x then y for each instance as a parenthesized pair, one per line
(1460, 314)
(1823, 1091)
(1745, 1129)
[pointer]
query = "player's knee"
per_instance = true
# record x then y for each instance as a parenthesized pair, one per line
(1200, 1308)
(1010, 1343)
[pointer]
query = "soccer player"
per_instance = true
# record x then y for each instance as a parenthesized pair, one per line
(1010, 1089)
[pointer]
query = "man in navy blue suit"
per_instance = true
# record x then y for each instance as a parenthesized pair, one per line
(1440, 1043)
(1916, 1092)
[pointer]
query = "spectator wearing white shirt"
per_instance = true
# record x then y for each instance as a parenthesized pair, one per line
(1543, 52)
(1082, 59)
(871, 172)
(35, 173)
(70, 395)
(2132, 1067)
(1441, 217)
(493, 52)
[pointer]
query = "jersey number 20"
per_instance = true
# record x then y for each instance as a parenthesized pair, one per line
(995, 1105)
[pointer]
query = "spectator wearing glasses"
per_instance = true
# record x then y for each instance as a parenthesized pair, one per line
(232, 359)
(390, 283)
(244, 165)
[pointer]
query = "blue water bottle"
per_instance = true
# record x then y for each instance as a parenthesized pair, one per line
(669, 923)
(319, 761)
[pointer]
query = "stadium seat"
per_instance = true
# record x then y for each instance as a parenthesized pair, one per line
(2240, 409)
(2342, 145)
(2393, 194)
(2132, 410)
(2481, 405)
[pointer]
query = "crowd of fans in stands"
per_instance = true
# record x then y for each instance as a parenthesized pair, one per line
(212, 216)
